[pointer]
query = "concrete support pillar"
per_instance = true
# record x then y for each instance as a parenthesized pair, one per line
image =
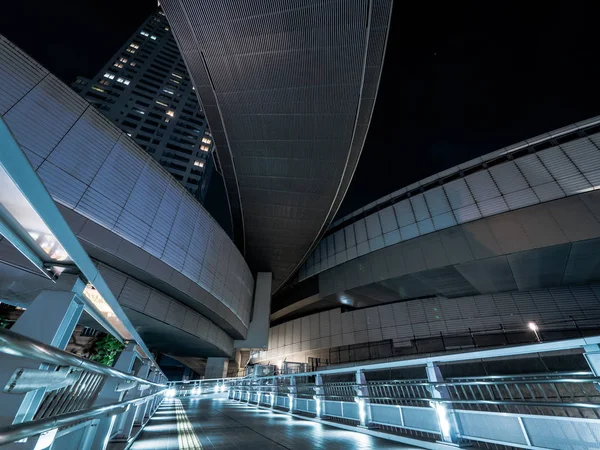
(362, 394)
(445, 413)
(319, 392)
(51, 319)
(111, 393)
(216, 368)
(258, 329)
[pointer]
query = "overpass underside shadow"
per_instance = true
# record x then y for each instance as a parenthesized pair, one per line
(217, 423)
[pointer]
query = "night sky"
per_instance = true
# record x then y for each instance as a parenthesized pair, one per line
(459, 80)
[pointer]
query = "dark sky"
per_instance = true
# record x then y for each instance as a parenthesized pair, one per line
(72, 37)
(464, 79)
(460, 79)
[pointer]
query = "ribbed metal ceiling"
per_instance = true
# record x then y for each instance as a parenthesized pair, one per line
(288, 87)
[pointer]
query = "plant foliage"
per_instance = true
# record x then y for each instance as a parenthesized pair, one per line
(106, 350)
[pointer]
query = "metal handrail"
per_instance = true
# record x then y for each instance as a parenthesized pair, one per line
(205, 380)
(14, 344)
(24, 430)
(474, 402)
(581, 373)
(480, 382)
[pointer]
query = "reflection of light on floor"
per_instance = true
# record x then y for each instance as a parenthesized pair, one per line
(160, 428)
(363, 440)
(164, 418)
(185, 432)
(152, 444)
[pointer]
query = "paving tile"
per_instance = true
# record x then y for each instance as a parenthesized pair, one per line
(221, 424)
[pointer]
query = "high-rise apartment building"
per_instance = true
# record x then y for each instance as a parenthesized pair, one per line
(146, 90)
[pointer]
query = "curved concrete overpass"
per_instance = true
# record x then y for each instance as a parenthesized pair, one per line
(521, 218)
(126, 210)
(288, 89)
(559, 164)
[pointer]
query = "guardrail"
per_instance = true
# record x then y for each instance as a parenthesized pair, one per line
(66, 393)
(554, 410)
(199, 387)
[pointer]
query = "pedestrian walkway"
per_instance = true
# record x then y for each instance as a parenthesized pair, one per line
(217, 423)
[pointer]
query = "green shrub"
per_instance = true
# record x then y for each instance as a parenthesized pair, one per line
(106, 350)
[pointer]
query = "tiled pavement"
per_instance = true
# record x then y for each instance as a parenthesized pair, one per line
(225, 425)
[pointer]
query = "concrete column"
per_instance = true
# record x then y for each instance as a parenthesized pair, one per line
(445, 413)
(51, 319)
(258, 329)
(111, 393)
(216, 368)
(362, 392)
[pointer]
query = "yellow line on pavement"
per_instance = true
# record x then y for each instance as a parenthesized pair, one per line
(185, 432)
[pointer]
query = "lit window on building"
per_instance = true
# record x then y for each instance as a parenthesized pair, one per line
(119, 65)
(134, 46)
(144, 33)
(110, 76)
(123, 60)
(178, 76)
(168, 91)
(174, 81)
(140, 111)
(123, 80)
(170, 113)
(199, 163)
(104, 82)
(161, 103)
(132, 64)
(206, 140)
(96, 88)
(204, 148)
(131, 51)
(166, 28)
(153, 37)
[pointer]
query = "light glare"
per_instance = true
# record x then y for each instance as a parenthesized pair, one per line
(170, 393)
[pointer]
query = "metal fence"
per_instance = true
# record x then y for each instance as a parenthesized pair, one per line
(552, 410)
(75, 397)
(70, 392)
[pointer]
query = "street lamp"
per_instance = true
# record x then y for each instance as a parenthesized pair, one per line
(533, 327)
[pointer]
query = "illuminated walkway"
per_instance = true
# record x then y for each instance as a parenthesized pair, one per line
(216, 423)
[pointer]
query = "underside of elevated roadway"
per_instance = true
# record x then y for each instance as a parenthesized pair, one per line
(288, 88)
